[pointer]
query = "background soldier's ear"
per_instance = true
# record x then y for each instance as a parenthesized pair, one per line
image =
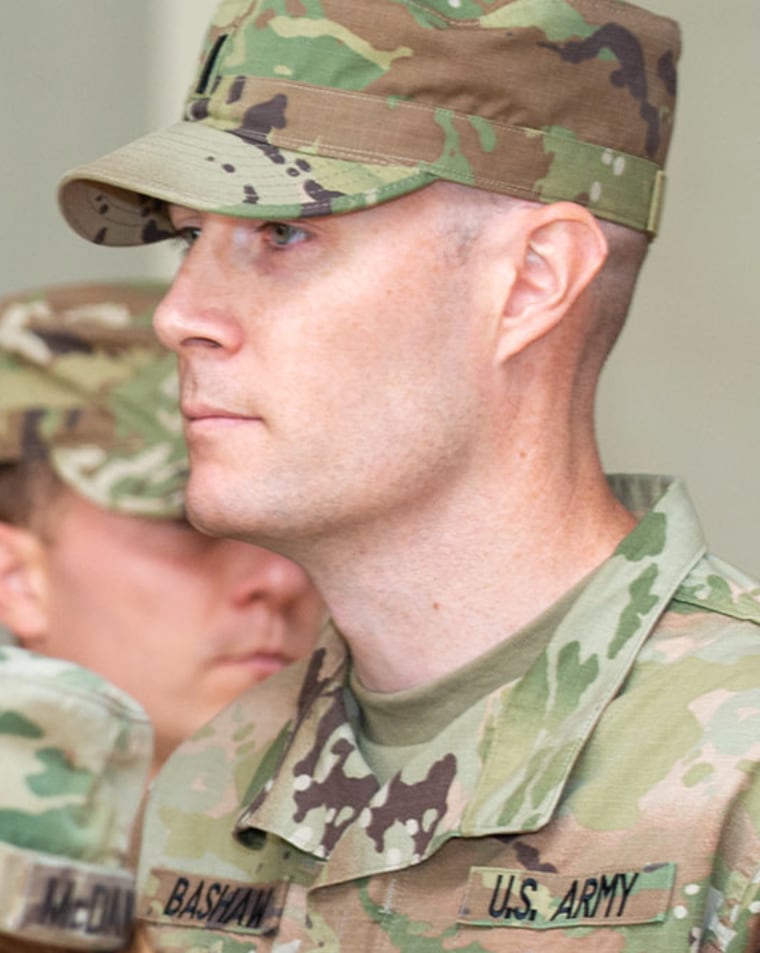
(563, 249)
(23, 585)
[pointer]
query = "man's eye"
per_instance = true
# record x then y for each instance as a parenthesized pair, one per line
(282, 235)
(187, 236)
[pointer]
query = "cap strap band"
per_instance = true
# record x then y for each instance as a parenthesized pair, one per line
(540, 164)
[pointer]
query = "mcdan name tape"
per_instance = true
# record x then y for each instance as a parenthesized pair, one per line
(52, 900)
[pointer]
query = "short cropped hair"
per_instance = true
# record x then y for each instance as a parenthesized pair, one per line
(28, 490)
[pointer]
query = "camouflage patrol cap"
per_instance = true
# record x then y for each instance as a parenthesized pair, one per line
(75, 753)
(86, 385)
(322, 106)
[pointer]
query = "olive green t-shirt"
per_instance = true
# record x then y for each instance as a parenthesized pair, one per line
(391, 726)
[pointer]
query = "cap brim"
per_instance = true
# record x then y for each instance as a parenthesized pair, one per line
(120, 199)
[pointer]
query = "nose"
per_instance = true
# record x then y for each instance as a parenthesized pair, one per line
(169, 318)
(197, 314)
(260, 575)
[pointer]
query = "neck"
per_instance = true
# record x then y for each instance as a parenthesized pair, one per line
(417, 598)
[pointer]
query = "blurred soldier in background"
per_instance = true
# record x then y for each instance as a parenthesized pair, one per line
(97, 562)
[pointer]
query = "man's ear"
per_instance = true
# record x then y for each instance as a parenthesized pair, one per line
(563, 248)
(23, 585)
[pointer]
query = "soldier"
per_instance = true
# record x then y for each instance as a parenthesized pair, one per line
(97, 562)
(414, 228)
(75, 751)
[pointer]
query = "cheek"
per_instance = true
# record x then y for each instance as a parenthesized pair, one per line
(135, 626)
(399, 400)
(424, 346)
(86, 582)
(385, 333)
(117, 588)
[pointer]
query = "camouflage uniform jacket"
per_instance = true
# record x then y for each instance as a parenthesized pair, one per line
(606, 801)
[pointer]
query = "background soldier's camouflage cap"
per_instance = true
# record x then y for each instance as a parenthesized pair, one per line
(308, 107)
(85, 384)
(75, 753)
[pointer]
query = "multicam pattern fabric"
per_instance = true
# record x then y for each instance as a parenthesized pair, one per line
(75, 753)
(608, 801)
(310, 107)
(85, 383)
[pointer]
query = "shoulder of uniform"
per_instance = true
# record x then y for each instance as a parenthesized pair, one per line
(718, 587)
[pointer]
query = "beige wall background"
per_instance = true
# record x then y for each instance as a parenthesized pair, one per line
(681, 393)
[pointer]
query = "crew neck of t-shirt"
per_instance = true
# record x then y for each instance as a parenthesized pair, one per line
(412, 717)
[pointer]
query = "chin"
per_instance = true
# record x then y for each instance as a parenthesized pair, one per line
(204, 522)
(207, 512)
(219, 507)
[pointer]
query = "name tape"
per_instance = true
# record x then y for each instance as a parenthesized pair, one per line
(66, 904)
(540, 901)
(212, 903)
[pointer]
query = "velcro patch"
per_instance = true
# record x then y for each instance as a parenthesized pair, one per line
(212, 903)
(541, 901)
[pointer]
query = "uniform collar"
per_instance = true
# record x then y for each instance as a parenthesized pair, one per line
(324, 800)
